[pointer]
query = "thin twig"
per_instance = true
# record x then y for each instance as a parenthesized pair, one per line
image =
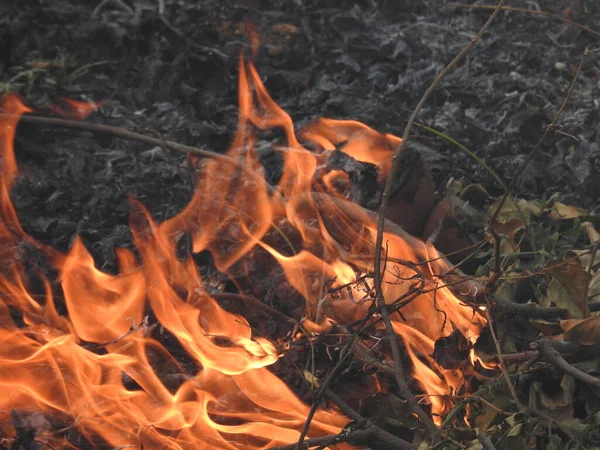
(586, 306)
(377, 432)
(403, 388)
(470, 153)
(381, 302)
(138, 137)
(529, 11)
(495, 275)
(485, 441)
(345, 353)
(572, 348)
(358, 434)
(509, 383)
(551, 355)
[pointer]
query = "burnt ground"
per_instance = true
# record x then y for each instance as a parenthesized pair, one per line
(370, 61)
(174, 73)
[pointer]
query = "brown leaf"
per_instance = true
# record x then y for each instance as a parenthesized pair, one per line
(443, 229)
(509, 230)
(584, 332)
(556, 403)
(573, 278)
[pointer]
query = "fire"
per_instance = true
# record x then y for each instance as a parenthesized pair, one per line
(95, 368)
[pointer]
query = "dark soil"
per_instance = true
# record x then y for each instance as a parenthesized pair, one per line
(364, 60)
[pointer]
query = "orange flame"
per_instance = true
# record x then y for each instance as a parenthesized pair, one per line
(74, 109)
(97, 365)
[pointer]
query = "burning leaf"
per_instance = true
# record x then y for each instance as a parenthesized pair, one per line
(74, 109)
(584, 332)
(363, 177)
(224, 395)
(25, 435)
(450, 352)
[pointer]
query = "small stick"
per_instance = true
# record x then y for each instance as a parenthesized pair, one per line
(572, 348)
(509, 383)
(403, 388)
(530, 310)
(551, 355)
(359, 434)
(485, 441)
(138, 137)
(529, 11)
(375, 430)
(381, 302)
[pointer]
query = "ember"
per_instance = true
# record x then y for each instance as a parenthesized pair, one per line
(96, 370)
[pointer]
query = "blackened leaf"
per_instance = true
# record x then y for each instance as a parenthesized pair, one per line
(25, 437)
(363, 176)
(386, 405)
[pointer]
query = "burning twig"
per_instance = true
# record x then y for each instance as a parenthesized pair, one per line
(403, 388)
(381, 302)
(255, 303)
(345, 352)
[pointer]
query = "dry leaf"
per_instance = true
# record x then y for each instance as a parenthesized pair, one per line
(561, 211)
(584, 332)
(573, 279)
(594, 289)
(558, 296)
(308, 376)
(556, 403)
(589, 228)
(585, 256)
(509, 230)
(520, 208)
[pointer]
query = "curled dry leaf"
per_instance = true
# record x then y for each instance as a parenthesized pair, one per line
(589, 228)
(561, 211)
(584, 332)
(509, 230)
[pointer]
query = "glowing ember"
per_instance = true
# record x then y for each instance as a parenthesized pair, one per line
(81, 367)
